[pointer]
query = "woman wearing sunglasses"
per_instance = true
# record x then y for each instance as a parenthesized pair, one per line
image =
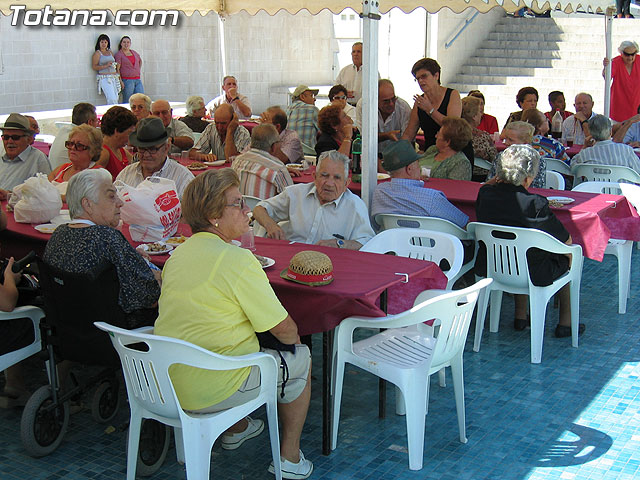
(338, 96)
(84, 146)
(625, 82)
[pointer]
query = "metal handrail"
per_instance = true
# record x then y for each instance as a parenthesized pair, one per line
(467, 22)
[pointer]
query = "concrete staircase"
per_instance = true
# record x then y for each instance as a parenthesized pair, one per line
(564, 53)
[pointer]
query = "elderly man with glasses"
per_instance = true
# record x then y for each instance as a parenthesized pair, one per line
(151, 139)
(20, 160)
(393, 115)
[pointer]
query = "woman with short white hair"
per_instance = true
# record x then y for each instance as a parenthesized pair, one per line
(195, 112)
(625, 82)
(505, 200)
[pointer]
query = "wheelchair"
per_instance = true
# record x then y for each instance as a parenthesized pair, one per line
(72, 302)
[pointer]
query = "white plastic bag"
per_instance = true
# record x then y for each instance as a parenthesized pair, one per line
(152, 209)
(39, 200)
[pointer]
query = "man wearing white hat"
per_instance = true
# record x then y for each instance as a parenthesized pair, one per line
(20, 160)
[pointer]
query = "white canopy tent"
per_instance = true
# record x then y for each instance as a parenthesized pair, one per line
(370, 13)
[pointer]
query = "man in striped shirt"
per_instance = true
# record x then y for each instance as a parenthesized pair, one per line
(261, 173)
(606, 151)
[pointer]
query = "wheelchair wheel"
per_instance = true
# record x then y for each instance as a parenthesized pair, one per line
(154, 444)
(42, 429)
(106, 401)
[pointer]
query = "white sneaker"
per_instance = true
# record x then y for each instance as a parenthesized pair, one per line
(231, 441)
(302, 469)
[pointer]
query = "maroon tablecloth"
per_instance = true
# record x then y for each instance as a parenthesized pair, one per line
(591, 220)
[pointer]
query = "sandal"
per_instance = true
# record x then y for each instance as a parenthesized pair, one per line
(563, 331)
(520, 324)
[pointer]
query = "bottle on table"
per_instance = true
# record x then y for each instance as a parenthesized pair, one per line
(356, 154)
(556, 125)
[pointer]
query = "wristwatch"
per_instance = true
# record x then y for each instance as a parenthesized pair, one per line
(340, 242)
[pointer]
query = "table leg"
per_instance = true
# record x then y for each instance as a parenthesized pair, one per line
(327, 369)
(382, 385)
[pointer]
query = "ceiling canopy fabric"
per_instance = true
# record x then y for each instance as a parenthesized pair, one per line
(227, 7)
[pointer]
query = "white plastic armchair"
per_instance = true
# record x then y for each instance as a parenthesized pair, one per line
(390, 220)
(592, 172)
(406, 357)
(555, 181)
(555, 165)
(507, 266)
(28, 313)
(422, 245)
(621, 249)
(151, 395)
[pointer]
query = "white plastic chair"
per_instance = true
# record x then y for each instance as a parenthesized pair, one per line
(592, 172)
(407, 357)
(557, 165)
(151, 395)
(390, 220)
(555, 181)
(35, 315)
(621, 249)
(420, 244)
(507, 266)
(482, 163)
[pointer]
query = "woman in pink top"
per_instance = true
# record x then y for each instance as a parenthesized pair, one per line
(130, 64)
(625, 85)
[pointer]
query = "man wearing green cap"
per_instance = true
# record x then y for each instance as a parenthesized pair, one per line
(406, 194)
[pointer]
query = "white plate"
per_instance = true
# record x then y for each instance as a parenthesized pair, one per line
(562, 200)
(145, 247)
(236, 243)
(46, 227)
(177, 240)
(383, 176)
(217, 163)
(270, 262)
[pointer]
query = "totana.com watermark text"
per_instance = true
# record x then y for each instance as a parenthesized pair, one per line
(21, 16)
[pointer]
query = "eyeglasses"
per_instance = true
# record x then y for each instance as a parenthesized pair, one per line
(15, 138)
(389, 100)
(340, 97)
(142, 151)
(240, 204)
(423, 77)
(77, 146)
(629, 54)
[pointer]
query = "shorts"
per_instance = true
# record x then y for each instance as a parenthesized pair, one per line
(293, 371)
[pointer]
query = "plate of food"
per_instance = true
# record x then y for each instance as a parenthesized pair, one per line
(383, 176)
(215, 163)
(560, 201)
(266, 262)
(176, 240)
(197, 166)
(46, 227)
(295, 166)
(155, 248)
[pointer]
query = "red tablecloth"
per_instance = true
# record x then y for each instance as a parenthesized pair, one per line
(359, 279)
(591, 220)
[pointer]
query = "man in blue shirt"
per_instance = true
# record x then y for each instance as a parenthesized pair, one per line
(405, 194)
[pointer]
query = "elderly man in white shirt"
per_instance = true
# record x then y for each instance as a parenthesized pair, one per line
(605, 151)
(351, 75)
(180, 135)
(230, 95)
(151, 139)
(393, 115)
(577, 126)
(323, 213)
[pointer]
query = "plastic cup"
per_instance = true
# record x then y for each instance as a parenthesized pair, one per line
(248, 240)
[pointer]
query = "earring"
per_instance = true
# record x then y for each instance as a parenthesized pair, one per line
(216, 225)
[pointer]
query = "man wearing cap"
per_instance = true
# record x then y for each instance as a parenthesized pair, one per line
(290, 150)
(303, 114)
(393, 115)
(230, 96)
(261, 174)
(180, 135)
(20, 160)
(221, 140)
(405, 193)
(152, 141)
(351, 75)
(323, 213)
(81, 113)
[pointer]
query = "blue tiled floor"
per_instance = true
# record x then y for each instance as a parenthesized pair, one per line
(575, 416)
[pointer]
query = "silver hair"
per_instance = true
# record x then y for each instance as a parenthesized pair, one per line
(517, 163)
(140, 96)
(336, 157)
(264, 136)
(85, 184)
(194, 102)
(600, 127)
(523, 129)
(627, 44)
